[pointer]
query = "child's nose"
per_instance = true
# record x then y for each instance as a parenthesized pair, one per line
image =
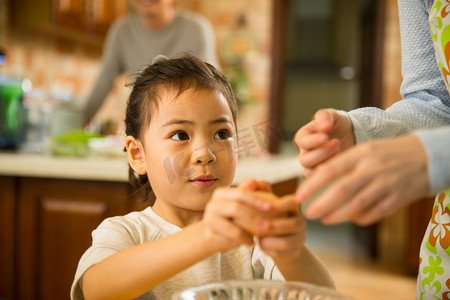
(203, 155)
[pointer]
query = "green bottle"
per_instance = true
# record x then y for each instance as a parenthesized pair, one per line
(12, 114)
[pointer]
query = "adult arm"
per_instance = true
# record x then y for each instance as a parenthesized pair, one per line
(426, 101)
(422, 161)
(111, 67)
(436, 143)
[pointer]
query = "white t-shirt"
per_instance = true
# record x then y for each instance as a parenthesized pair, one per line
(118, 233)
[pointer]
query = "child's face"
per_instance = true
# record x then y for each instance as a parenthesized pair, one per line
(189, 149)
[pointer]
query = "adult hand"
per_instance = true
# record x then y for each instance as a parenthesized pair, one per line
(368, 181)
(329, 133)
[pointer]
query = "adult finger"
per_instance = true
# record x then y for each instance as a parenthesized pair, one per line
(326, 173)
(362, 202)
(336, 195)
(314, 157)
(395, 169)
(382, 208)
(398, 192)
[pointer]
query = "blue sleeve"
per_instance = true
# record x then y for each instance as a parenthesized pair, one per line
(437, 146)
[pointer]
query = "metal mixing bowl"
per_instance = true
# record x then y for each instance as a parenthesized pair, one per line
(258, 290)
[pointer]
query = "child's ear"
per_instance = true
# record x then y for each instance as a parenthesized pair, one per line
(136, 155)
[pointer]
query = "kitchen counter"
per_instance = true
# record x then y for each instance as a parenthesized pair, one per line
(273, 169)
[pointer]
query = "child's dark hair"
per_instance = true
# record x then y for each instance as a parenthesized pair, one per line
(177, 74)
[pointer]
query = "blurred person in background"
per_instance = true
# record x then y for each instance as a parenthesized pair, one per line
(155, 28)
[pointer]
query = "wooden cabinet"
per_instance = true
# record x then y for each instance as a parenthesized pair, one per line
(71, 13)
(7, 233)
(52, 221)
(92, 16)
(80, 21)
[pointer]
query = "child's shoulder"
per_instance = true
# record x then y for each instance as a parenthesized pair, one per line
(132, 219)
(140, 226)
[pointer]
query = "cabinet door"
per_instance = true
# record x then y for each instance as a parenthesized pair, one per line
(7, 232)
(102, 14)
(90, 16)
(71, 13)
(56, 218)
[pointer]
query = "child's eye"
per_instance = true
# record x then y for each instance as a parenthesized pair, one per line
(179, 136)
(222, 134)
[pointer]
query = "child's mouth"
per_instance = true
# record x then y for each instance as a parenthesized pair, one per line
(204, 180)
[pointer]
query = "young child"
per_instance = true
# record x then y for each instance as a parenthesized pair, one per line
(181, 127)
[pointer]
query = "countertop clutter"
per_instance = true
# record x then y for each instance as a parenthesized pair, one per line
(273, 169)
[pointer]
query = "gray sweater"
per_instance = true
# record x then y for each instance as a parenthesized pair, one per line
(129, 47)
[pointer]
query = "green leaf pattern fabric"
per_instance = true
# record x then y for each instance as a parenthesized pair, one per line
(439, 20)
(433, 280)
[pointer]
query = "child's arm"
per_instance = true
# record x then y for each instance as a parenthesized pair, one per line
(285, 244)
(229, 217)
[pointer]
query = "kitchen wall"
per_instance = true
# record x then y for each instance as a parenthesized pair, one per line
(52, 65)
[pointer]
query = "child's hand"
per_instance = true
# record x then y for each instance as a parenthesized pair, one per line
(251, 184)
(234, 216)
(286, 236)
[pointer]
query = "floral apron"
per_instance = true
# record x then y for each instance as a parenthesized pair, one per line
(433, 281)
